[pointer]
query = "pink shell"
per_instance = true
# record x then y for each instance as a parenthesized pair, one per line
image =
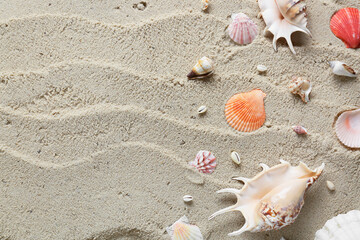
(242, 29)
(204, 161)
(299, 130)
(345, 24)
(347, 128)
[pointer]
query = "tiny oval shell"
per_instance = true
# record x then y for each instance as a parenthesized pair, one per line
(261, 68)
(187, 198)
(235, 157)
(330, 185)
(202, 109)
(299, 130)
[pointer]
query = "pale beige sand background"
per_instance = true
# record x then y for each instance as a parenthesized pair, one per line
(98, 121)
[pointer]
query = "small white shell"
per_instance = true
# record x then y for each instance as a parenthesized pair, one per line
(187, 198)
(183, 230)
(342, 69)
(330, 185)
(342, 227)
(202, 109)
(205, 4)
(261, 68)
(235, 157)
(202, 69)
(302, 87)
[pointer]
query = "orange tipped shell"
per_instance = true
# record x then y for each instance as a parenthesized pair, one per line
(347, 128)
(345, 24)
(245, 111)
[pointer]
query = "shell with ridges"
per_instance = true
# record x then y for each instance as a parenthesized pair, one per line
(342, 69)
(242, 29)
(273, 198)
(204, 162)
(302, 87)
(183, 230)
(283, 17)
(345, 24)
(203, 68)
(245, 111)
(347, 128)
(342, 227)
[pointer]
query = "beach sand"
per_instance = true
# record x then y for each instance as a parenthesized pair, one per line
(98, 121)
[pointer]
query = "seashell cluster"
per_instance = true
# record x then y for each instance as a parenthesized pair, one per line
(204, 162)
(342, 69)
(345, 25)
(284, 17)
(242, 29)
(245, 111)
(205, 4)
(203, 68)
(183, 230)
(273, 198)
(302, 87)
(342, 227)
(347, 128)
(300, 130)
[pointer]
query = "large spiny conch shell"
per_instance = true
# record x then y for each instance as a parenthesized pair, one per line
(204, 162)
(283, 17)
(347, 128)
(342, 227)
(342, 69)
(302, 87)
(345, 24)
(203, 68)
(242, 29)
(183, 230)
(273, 198)
(245, 111)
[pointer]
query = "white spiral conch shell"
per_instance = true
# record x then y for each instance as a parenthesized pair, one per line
(202, 69)
(342, 227)
(273, 198)
(302, 87)
(342, 69)
(284, 17)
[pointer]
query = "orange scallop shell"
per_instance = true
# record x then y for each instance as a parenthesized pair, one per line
(345, 24)
(245, 111)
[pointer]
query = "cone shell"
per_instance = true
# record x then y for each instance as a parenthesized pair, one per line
(342, 227)
(242, 29)
(342, 69)
(347, 128)
(345, 24)
(273, 198)
(204, 161)
(202, 69)
(183, 230)
(245, 111)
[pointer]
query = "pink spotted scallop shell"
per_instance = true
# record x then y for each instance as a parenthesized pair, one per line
(273, 198)
(204, 161)
(242, 29)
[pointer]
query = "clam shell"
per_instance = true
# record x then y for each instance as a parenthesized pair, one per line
(245, 111)
(284, 17)
(345, 24)
(342, 69)
(242, 29)
(302, 87)
(202, 109)
(204, 162)
(273, 198)
(187, 198)
(183, 230)
(342, 227)
(347, 128)
(235, 157)
(299, 130)
(203, 68)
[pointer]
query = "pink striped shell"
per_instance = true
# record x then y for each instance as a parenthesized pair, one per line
(242, 29)
(204, 161)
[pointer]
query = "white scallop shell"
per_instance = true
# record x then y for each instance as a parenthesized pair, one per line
(347, 128)
(284, 17)
(342, 227)
(204, 162)
(242, 29)
(302, 87)
(183, 230)
(342, 69)
(273, 198)
(203, 68)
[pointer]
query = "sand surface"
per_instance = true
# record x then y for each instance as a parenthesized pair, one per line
(98, 120)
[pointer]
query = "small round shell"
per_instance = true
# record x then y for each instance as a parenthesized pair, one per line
(261, 68)
(330, 185)
(202, 110)
(187, 198)
(235, 157)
